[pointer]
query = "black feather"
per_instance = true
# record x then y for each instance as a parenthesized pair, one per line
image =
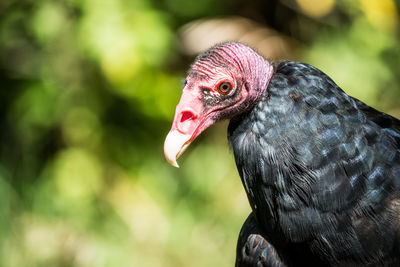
(253, 249)
(321, 171)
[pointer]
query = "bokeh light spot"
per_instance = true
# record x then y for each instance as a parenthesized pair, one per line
(316, 8)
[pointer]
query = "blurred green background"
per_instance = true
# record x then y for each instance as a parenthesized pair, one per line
(88, 91)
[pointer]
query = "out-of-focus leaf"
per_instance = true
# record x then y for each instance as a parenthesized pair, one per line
(88, 91)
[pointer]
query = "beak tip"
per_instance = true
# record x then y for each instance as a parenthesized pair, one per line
(175, 144)
(171, 160)
(173, 163)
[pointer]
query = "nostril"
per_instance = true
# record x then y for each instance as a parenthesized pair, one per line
(187, 122)
(186, 115)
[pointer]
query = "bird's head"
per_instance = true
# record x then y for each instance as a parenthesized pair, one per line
(224, 81)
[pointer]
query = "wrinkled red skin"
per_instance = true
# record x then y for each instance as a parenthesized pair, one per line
(192, 116)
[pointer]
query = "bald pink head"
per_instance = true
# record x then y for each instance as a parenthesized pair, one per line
(235, 58)
(224, 81)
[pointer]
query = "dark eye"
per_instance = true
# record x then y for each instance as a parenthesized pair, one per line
(224, 88)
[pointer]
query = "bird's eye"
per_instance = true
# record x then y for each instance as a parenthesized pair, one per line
(224, 88)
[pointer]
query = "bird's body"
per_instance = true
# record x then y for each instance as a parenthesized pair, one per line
(321, 169)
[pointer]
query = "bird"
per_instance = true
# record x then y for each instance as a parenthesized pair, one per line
(321, 169)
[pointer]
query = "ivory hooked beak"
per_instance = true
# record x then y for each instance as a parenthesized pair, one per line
(174, 146)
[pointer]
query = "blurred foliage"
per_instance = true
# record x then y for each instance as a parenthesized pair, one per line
(88, 90)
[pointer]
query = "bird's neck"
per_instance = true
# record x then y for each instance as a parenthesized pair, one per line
(258, 75)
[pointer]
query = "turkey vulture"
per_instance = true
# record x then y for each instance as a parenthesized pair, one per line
(320, 168)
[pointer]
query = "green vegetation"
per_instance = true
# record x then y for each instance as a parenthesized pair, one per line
(87, 94)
